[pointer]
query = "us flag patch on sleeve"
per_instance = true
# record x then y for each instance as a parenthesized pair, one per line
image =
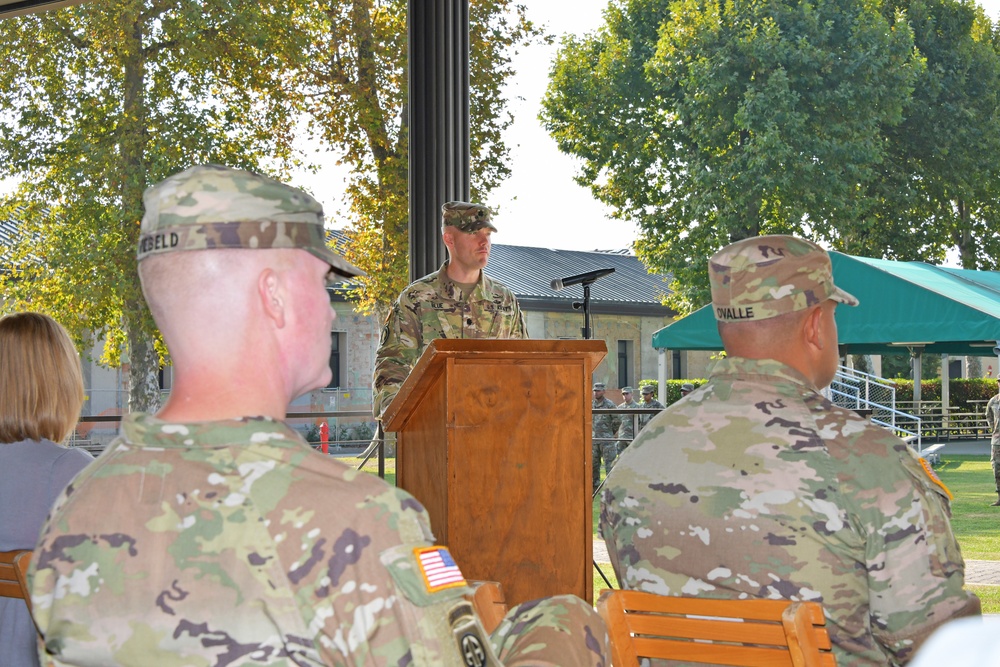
(439, 568)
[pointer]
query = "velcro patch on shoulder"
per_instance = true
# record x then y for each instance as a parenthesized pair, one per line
(934, 477)
(439, 569)
(420, 580)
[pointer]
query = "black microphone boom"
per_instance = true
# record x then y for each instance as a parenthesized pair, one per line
(588, 277)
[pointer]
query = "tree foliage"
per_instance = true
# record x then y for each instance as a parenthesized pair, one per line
(354, 75)
(708, 121)
(103, 99)
(938, 188)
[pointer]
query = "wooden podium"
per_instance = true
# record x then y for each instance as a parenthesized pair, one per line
(493, 438)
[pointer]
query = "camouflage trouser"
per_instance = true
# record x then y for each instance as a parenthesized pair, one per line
(561, 630)
(995, 460)
(609, 452)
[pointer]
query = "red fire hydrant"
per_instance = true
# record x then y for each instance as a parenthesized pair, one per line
(324, 437)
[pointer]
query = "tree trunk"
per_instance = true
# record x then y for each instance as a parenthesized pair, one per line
(144, 362)
(143, 373)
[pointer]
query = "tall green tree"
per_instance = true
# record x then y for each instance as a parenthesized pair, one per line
(101, 100)
(354, 77)
(938, 188)
(706, 122)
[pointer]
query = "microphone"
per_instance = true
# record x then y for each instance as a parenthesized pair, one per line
(588, 277)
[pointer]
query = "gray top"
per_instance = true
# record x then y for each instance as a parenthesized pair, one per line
(32, 474)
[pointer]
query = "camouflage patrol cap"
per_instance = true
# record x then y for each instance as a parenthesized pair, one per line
(626, 390)
(598, 386)
(214, 207)
(687, 386)
(466, 217)
(766, 276)
(648, 389)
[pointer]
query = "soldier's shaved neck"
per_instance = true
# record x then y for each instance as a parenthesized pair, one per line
(802, 340)
(208, 305)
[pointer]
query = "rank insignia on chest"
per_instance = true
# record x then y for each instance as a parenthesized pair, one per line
(438, 568)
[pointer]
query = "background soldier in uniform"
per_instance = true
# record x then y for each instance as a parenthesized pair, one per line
(627, 429)
(756, 486)
(211, 533)
(993, 421)
(457, 301)
(605, 426)
(648, 402)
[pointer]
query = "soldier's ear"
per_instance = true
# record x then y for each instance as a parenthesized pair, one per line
(448, 236)
(811, 329)
(270, 291)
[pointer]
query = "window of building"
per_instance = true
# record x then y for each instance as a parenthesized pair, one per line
(338, 362)
(625, 373)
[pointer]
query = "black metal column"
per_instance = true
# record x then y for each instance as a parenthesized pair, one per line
(438, 32)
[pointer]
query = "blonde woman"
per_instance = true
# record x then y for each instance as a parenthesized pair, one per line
(41, 391)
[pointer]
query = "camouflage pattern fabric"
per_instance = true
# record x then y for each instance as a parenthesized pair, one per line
(993, 421)
(466, 217)
(212, 206)
(756, 486)
(233, 543)
(435, 307)
(605, 426)
(645, 419)
(766, 276)
(626, 431)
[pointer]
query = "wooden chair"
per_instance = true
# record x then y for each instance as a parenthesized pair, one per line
(748, 633)
(488, 601)
(14, 575)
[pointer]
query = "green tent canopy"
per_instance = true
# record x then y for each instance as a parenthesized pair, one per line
(903, 305)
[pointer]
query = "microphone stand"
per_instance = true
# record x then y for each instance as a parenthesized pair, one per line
(586, 335)
(586, 307)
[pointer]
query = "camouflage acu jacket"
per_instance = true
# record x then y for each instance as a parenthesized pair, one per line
(627, 427)
(757, 486)
(232, 543)
(435, 307)
(645, 419)
(993, 419)
(605, 425)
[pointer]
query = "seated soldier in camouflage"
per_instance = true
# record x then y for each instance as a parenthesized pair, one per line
(756, 486)
(457, 301)
(211, 533)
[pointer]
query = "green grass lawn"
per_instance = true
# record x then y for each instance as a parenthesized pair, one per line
(970, 479)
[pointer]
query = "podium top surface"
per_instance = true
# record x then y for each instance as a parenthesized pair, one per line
(432, 361)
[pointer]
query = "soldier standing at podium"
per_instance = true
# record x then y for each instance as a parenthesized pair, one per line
(457, 301)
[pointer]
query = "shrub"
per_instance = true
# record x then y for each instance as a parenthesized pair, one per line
(673, 387)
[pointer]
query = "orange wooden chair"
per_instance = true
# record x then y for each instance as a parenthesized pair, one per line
(14, 575)
(747, 633)
(488, 601)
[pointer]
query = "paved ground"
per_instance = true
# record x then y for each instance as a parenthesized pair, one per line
(976, 571)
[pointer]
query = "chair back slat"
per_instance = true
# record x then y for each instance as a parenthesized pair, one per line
(14, 574)
(714, 654)
(749, 633)
(488, 601)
